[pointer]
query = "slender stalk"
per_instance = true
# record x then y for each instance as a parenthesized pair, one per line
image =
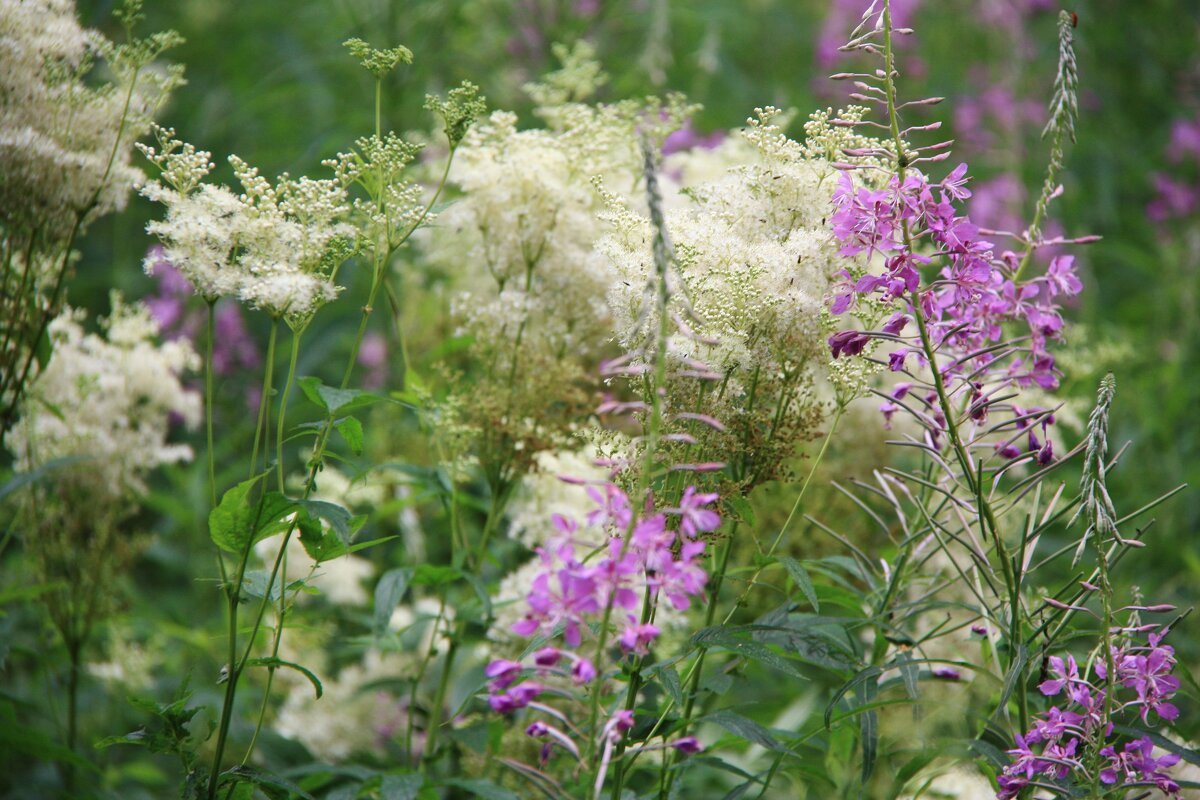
(74, 652)
(283, 404)
(236, 666)
(837, 417)
(691, 688)
(265, 400)
(233, 591)
(208, 401)
(987, 520)
(439, 701)
(653, 425)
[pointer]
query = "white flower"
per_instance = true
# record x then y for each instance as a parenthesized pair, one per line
(107, 400)
(65, 142)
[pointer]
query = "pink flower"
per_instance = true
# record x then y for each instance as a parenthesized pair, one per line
(694, 517)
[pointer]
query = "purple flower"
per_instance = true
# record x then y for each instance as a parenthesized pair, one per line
(694, 517)
(515, 698)
(848, 343)
(583, 671)
(947, 674)
(688, 745)
(503, 673)
(637, 638)
(547, 657)
(613, 508)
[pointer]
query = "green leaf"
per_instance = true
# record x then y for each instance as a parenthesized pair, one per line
(671, 682)
(731, 638)
(254, 584)
(869, 674)
(401, 787)
(480, 788)
(278, 663)
(800, 577)
(236, 524)
(388, 594)
(481, 592)
(739, 505)
(746, 728)
(1015, 673)
(22, 479)
(334, 400)
(273, 786)
(351, 431)
(817, 640)
(910, 673)
(914, 766)
(868, 729)
(343, 523)
(435, 575)
(18, 740)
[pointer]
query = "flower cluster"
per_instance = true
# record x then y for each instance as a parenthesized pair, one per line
(1059, 744)
(109, 399)
(617, 564)
(275, 247)
(968, 310)
(65, 142)
(530, 287)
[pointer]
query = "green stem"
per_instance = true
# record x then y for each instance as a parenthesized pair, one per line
(692, 682)
(439, 700)
(208, 419)
(987, 520)
(662, 261)
(264, 401)
(283, 404)
(74, 651)
(233, 591)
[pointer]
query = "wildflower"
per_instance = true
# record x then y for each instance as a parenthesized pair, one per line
(695, 518)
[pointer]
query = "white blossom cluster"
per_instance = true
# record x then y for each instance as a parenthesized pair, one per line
(350, 717)
(544, 493)
(521, 236)
(754, 253)
(275, 247)
(107, 400)
(66, 141)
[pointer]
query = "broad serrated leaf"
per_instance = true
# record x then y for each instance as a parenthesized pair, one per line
(236, 524)
(739, 505)
(351, 431)
(388, 594)
(671, 682)
(278, 663)
(340, 520)
(334, 400)
(744, 727)
(800, 577)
